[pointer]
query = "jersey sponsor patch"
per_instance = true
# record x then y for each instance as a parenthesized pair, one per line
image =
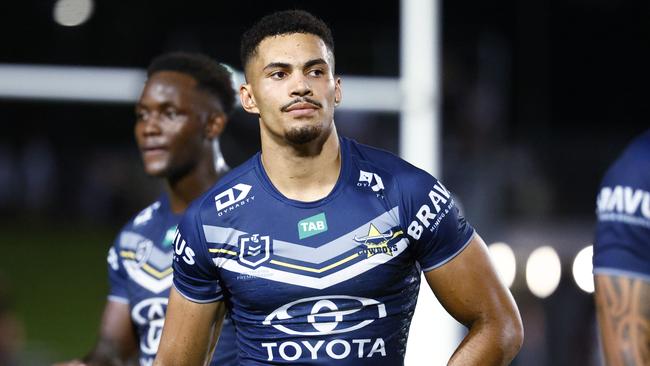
(322, 316)
(624, 204)
(430, 215)
(311, 226)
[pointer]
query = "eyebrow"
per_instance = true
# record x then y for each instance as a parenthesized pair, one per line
(285, 65)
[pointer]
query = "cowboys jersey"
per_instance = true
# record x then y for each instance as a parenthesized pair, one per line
(140, 274)
(622, 245)
(334, 281)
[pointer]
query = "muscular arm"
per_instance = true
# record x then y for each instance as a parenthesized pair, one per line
(117, 343)
(189, 328)
(623, 308)
(469, 289)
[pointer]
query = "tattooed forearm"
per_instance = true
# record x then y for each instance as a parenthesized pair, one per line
(623, 306)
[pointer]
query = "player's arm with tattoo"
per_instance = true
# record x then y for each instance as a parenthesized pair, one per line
(623, 308)
(470, 290)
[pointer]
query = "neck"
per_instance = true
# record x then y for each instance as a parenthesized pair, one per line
(185, 189)
(304, 173)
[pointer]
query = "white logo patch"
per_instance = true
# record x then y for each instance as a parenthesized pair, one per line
(325, 314)
(366, 180)
(254, 246)
(231, 196)
(150, 312)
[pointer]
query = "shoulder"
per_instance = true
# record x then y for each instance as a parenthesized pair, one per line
(141, 223)
(633, 165)
(230, 189)
(403, 173)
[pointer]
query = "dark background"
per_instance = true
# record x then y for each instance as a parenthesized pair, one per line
(539, 97)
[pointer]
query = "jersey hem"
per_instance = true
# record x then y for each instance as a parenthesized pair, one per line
(446, 260)
(218, 298)
(622, 272)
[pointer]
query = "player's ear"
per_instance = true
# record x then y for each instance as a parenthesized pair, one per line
(338, 92)
(248, 99)
(216, 123)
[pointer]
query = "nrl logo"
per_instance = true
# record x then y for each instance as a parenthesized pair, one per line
(254, 249)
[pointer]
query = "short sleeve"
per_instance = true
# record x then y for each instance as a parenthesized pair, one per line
(117, 277)
(195, 275)
(437, 230)
(622, 243)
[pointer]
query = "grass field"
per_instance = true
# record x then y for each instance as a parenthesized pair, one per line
(57, 276)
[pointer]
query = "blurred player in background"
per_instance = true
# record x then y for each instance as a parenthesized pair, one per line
(317, 244)
(180, 115)
(622, 257)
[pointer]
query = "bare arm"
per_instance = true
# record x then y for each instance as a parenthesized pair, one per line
(469, 289)
(623, 309)
(117, 343)
(188, 331)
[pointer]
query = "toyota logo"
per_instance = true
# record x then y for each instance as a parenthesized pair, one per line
(322, 315)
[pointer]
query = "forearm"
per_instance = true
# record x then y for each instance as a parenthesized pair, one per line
(623, 307)
(488, 344)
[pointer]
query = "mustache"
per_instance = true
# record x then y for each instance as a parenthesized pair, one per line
(301, 100)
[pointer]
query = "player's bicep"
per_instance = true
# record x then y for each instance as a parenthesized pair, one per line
(188, 330)
(469, 289)
(623, 308)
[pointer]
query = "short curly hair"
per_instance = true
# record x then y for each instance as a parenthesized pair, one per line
(283, 22)
(210, 76)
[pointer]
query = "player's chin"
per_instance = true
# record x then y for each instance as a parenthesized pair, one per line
(157, 168)
(303, 133)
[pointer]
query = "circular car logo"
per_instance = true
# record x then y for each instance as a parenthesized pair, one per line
(322, 315)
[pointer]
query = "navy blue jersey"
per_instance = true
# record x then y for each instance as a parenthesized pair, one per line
(333, 281)
(140, 274)
(622, 244)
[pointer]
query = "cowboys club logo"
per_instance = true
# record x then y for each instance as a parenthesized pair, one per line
(254, 249)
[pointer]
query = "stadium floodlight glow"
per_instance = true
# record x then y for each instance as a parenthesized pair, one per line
(543, 271)
(583, 268)
(504, 261)
(71, 13)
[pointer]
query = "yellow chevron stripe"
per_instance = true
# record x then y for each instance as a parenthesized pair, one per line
(154, 272)
(223, 251)
(127, 254)
(397, 233)
(315, 270)
(146, 267)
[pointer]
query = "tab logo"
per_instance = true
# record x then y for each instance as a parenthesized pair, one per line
(312, 226)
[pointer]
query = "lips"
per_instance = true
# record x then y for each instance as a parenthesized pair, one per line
(301, 109)
(153, 149)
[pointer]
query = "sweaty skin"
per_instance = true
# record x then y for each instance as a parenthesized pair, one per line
(623, 309)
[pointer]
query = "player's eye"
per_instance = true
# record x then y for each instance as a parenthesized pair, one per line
(278, 75)
(171, 113)
(140, 116)
(316, 72)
